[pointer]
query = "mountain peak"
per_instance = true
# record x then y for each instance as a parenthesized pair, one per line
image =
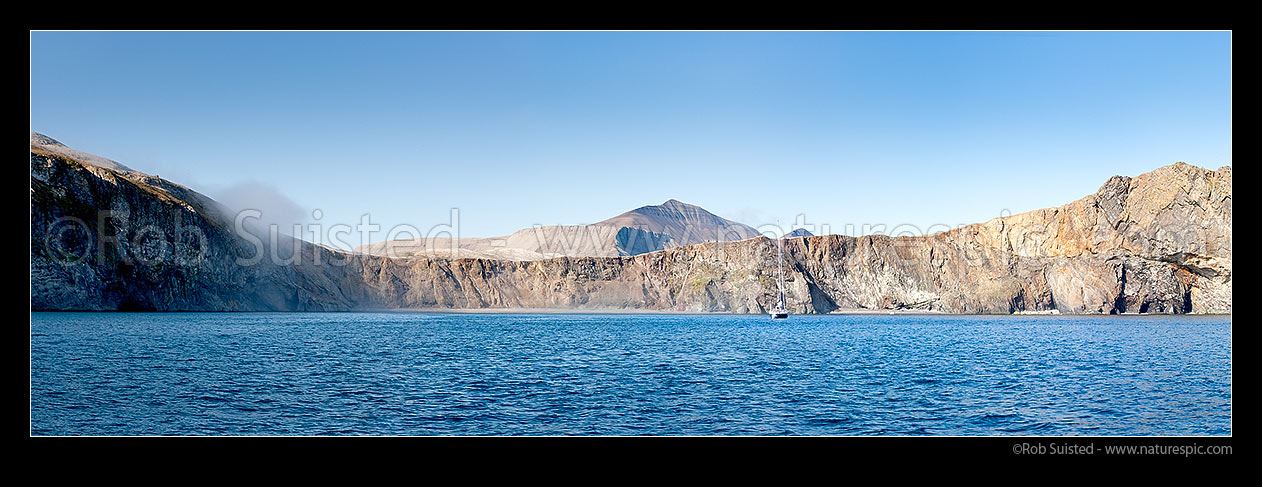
(51, 145)
(684, 223)
(670, 204)
(38, 139)
(673, 208)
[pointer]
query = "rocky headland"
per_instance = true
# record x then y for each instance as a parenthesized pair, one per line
(105, 237)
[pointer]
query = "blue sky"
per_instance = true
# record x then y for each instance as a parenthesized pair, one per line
(522, 128)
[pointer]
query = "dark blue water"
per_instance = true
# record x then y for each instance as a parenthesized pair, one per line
(498, 374)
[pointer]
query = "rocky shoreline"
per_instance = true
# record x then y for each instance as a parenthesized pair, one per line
(1157, 243)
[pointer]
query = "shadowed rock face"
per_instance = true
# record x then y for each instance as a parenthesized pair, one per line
(1156, 243)
(103, 239)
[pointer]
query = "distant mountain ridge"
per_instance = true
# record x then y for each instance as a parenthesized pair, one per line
(642, 230)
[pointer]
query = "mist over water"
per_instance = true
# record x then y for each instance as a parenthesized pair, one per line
(506, 374)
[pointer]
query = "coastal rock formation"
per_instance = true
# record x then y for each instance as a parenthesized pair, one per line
(106, 238)
(109, 238)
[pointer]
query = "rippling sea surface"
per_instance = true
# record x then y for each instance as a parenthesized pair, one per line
(648, 374)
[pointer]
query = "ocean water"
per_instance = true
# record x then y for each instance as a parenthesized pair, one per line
(593, 374)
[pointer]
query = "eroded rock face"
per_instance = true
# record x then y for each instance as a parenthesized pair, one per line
(1156, 243)
(108, 240)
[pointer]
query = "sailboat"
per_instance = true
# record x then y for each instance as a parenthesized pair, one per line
(780, 311)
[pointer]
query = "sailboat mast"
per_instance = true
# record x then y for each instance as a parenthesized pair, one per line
(779, 312)
(780, 264)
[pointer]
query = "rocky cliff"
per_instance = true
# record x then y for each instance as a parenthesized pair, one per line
(112, 238)
(109, 238)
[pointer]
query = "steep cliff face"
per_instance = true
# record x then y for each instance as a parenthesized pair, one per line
(1159, 242)
(111, 238)
(108, 239)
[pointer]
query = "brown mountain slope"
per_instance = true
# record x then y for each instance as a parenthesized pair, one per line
(645, 229)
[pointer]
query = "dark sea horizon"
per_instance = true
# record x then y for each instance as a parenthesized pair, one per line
(509, 373)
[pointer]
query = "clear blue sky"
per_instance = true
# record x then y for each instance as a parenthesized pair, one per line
(522, 128)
